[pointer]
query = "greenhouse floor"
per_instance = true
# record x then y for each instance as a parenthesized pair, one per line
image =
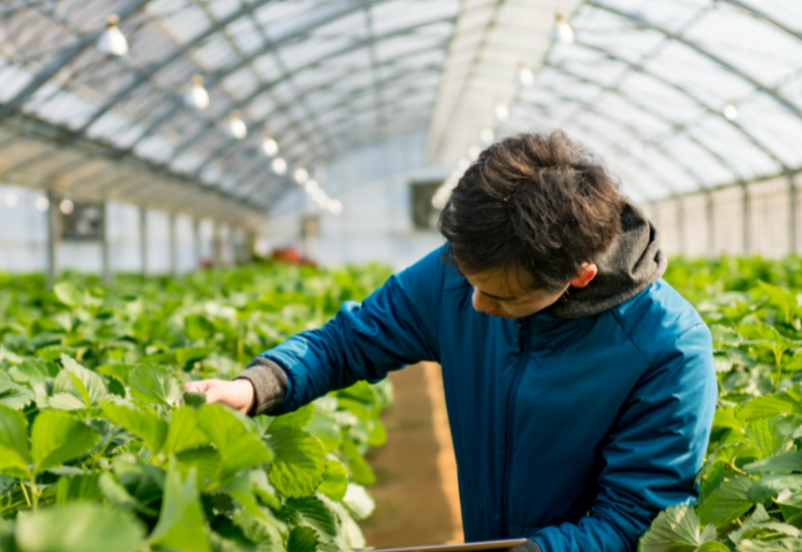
(416, 493)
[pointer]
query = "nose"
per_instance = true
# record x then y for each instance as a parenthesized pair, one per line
(483, 303)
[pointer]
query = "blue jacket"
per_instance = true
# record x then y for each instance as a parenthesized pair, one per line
(573, 432)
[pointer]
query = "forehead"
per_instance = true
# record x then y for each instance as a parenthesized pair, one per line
(502, 283)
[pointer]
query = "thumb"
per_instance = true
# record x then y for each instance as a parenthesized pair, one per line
(197, 386)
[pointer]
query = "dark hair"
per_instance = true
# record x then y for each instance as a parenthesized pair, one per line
(533, 202)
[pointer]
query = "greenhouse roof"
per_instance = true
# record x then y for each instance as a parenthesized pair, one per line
(678, 96)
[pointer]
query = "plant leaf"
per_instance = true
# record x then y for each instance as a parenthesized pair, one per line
(181, 524)
(726, 503)
(302, 539)
(789, 462)
(94, 390)
(148, 427)
(83, 526)
(56, 438)
(154, 384)
(768, 405)
(299, 463)
(769, 486)
(184, 432)
(187, 354)
(14, 453)
(69, 294)
(312, 512)
(677, 529)
(335, 481)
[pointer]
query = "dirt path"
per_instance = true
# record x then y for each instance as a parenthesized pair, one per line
(416, 493)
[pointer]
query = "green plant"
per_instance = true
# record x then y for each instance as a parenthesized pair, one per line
(750, 488)
(101, 450)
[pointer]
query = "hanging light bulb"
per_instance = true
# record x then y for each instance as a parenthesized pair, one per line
(113, 41)
(66, 206)
(197, 96)
(564, 31)
(336, 207)
(473, 152)
(525, 75)
(42, 203)
(279, 166)
(301, 176)
(502, 111)
(269, 145)
(236, 126)
(312, 186)
(730, 112)
(11, 200)
(487, 136)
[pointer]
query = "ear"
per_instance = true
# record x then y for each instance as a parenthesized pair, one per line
(589, 271)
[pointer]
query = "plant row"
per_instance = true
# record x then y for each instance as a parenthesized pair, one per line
(100, 449)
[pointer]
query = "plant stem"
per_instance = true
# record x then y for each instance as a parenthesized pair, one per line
(779, 373)
(25, 493)
(34, 494)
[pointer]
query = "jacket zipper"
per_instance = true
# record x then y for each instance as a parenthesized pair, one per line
(524, 343)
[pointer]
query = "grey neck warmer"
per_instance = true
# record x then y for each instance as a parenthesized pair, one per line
(633, 262)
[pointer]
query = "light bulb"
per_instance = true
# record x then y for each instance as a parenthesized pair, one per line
(487, 136)
(730, 112)
(269, 145)
(525, 76)
(564, 31)
(336, 207)
(301, 176)
(473, 152)
(11, 200)
(279, 166)
(311, 186)
(197, 96)
(236, 126)
(502, 112)
(113, 41)
(66, 206)
(42, 203)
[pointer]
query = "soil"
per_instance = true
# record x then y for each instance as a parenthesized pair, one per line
(416, 493)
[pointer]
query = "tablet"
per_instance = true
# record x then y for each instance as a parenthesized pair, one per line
(459, 547)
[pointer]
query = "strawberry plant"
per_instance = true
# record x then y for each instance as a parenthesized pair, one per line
(100, 449)
(750, 487)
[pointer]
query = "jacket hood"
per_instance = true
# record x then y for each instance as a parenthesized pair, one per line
(633, 262)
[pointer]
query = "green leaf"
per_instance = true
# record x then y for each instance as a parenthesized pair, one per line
(358, 501)
(676, 529)
(116, 494)
(89, 389)
(293, 420)
(325, 429)
(119, 371)
(726, 503)
(765, 434)
(725, 336)
(184, 432)
(302, 539)
(205, 460)
(758, 516)
(234, 437)
(360, 470)
(69, 294)
(13, 395)
(78, 488)
(311, 512)
(83, 526)
(780, 545)
(65, 401)
(724, 361)
(188, 354)
(713, 546)
(769, 486)
(194, 400)
(726, 418)
(181, 524)
(197, 326)
(14, 455)
(263, 531)
(155, 385)
(33, 369)
(145, 425)
(794, 364)
(335, 481)
(768, 405)
(299, 464)
(788, 462)
(56, 438)
(79, 385)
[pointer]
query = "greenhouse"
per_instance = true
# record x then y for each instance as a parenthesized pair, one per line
(321, 275)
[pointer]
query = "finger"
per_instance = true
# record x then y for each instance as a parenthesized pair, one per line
(195, 386)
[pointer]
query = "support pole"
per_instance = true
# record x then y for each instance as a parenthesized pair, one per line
(746, 217)
(217, 243)
(143, 238)
(196, 242)
(711, 226)
(52, 238)
(680, 226)
(173, 247)
(104, 243)
(792, 217)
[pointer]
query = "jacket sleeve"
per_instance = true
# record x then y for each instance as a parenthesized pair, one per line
(396, 325)
(653, 452)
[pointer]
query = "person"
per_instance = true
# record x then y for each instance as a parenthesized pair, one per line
(580, 387)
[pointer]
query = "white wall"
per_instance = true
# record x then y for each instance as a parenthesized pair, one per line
(23, 239)
(373, 184)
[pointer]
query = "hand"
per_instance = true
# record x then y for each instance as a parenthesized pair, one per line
(237, 394)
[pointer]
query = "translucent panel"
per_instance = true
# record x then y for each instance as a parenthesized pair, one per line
(660, 97)
(705, 166)
(670, 15)
(776, 130)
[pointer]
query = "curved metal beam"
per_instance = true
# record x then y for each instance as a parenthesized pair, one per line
(67, 54)
(782, 100)
(762, 15)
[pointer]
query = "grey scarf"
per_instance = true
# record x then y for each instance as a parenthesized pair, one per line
(633, 262)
